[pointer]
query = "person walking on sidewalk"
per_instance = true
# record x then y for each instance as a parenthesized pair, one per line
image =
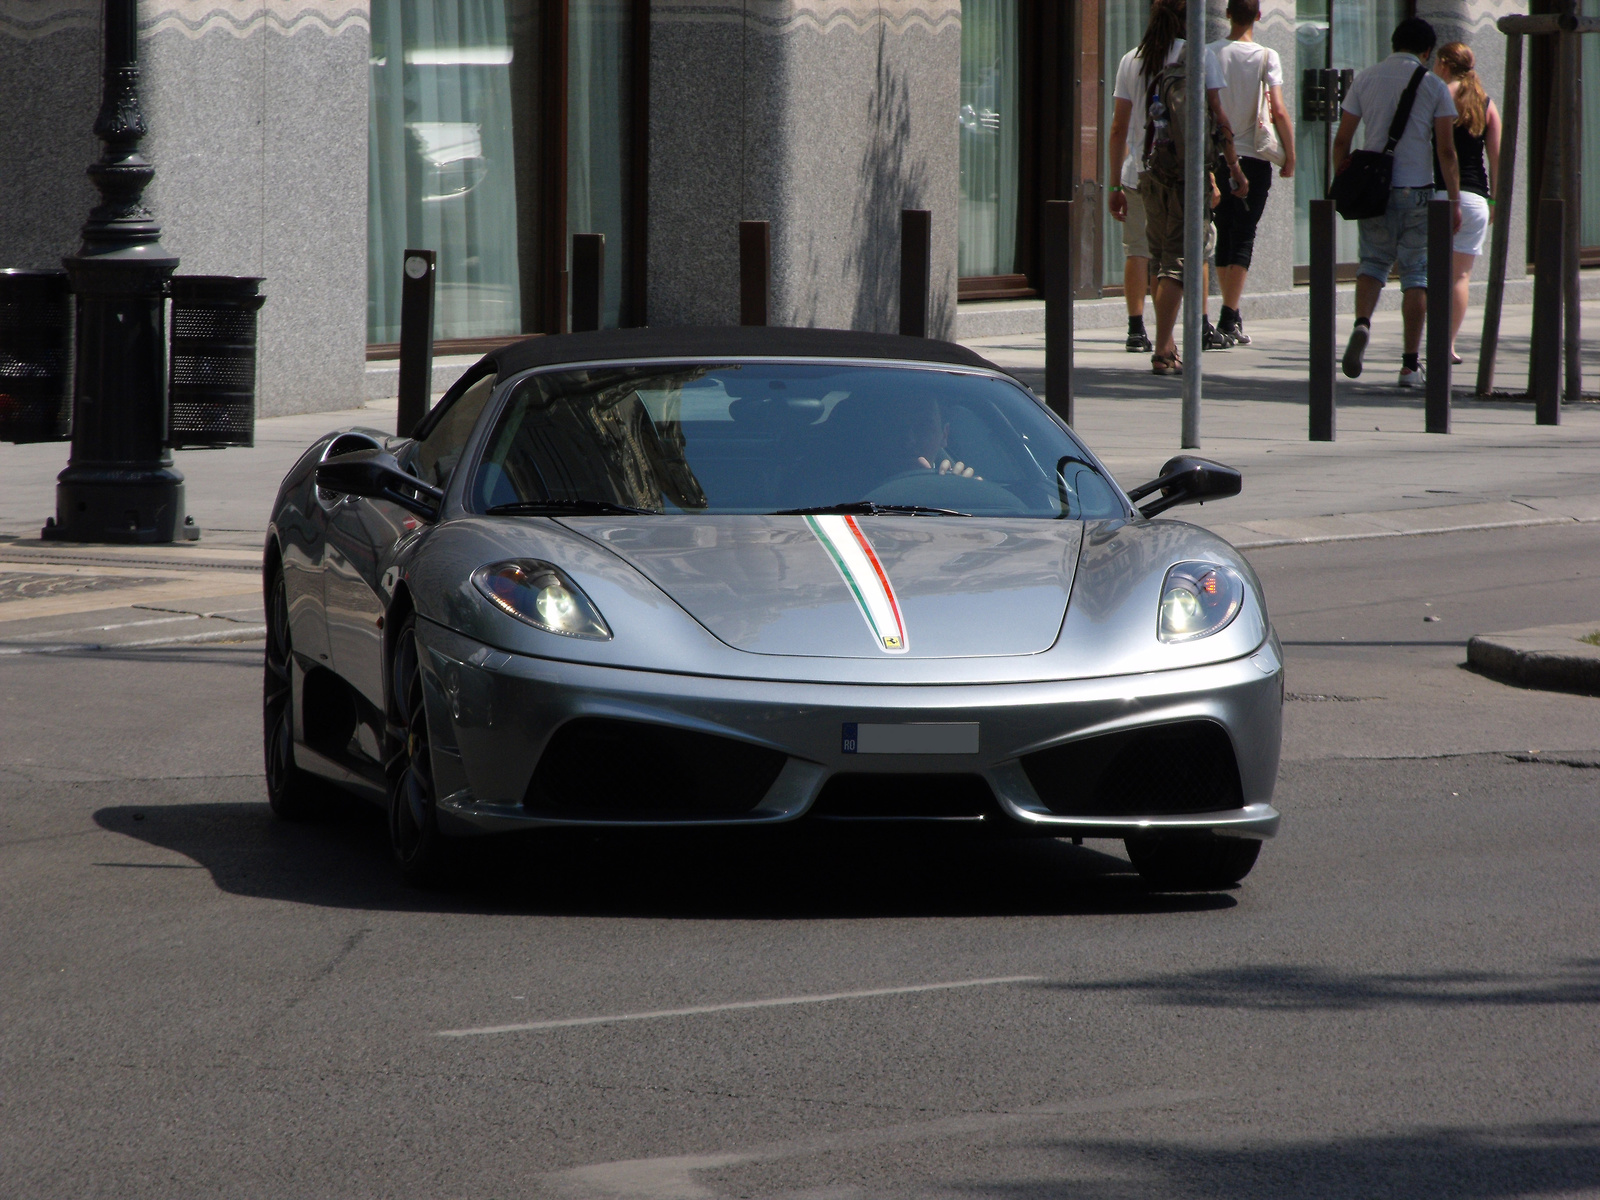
(1125, 203)
(1252, 98)
(1162, 199)
(1477, 139)
(1401, 233)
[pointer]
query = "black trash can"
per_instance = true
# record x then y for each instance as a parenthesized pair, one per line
(211, 385)
(35, 356)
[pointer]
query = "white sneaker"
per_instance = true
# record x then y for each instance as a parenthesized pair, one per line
(1410, 379)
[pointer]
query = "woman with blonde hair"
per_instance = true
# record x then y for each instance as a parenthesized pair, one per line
(1477, 138)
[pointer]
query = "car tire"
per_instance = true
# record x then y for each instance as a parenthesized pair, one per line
(293, 794)
(419, 848)
(1174, 863)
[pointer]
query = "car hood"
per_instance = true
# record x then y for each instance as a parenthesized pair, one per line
(858, 587)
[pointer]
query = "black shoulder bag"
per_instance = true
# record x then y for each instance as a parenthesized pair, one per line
(1361, 190)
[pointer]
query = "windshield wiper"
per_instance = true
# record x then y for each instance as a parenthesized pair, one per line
(566, 507)
(869, 508)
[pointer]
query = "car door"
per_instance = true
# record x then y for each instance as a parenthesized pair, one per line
(362, 536)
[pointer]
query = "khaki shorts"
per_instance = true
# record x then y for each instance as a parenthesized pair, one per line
(1163, 229)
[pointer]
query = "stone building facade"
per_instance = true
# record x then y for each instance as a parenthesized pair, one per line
(311, 141)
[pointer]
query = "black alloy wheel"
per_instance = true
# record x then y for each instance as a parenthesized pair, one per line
(414, 835)
(291, 792)
(1191, 863)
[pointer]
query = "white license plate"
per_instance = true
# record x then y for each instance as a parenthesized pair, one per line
(943, 737)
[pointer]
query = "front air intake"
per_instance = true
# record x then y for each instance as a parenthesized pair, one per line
(864, 797)
(600, 769)
(1165, 770)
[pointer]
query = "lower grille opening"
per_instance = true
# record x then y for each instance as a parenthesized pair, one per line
(600, 769)
(904, 798)
(1166, 770)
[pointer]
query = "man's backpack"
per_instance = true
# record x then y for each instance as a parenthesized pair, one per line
(1166, 117)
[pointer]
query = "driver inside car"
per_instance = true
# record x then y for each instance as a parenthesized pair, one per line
(926, 434)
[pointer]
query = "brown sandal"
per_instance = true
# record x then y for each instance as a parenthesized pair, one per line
(1165, 364)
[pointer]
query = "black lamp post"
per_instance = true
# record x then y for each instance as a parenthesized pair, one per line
(120, 484)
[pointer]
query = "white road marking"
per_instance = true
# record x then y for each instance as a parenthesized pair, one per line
(672, 1177)
(61, 633)
(737, 1005)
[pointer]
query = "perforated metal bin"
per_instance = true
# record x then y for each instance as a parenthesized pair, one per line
(35, 356)
(211, 384)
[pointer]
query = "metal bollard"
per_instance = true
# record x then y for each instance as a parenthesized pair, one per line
(416, 339)
(916, 267)
(1544, 365)
(1058, 307)
(588, 280)
(755, 272)
(1440, 236)
(1324, 301)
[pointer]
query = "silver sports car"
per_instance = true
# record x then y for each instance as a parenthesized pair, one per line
(733, 577)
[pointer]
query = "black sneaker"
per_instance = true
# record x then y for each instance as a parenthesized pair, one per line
(1355, 350)
(1138, 343)
(1235, 333)
(1212, 338)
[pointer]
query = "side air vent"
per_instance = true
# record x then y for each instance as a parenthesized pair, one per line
(1166, 770)
(599, 769)
(904, 798)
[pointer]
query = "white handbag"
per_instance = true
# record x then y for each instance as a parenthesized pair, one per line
(1264, 144)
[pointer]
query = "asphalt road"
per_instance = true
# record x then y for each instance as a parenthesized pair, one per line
(1401, 1001)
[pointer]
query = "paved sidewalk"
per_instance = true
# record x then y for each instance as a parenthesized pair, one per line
(1383, 476)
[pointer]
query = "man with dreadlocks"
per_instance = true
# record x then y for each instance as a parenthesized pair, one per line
(1155, 206)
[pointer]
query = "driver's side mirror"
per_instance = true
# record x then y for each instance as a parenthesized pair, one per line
(1188, 480)
(375, 474)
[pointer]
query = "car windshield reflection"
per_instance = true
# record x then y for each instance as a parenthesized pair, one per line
(769, 438)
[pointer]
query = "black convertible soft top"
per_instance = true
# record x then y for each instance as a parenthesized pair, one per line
(725, 341)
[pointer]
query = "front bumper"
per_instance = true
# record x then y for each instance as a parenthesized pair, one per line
(491, 714)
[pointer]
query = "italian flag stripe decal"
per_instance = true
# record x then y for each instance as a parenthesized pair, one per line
(868, 582)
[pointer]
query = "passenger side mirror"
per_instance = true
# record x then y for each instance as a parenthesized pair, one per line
(1188, 480)
(375, 474)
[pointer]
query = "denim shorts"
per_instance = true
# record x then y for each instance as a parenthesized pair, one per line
(1400, 234)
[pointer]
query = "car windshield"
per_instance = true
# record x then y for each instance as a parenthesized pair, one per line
(755, 437)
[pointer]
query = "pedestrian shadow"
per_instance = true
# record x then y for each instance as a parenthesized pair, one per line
(341, 860)
(1471, 1163)
(1375, 390)
(1286, 988)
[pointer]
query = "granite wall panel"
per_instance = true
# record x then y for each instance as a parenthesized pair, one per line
(49, 95)
(257, 111)
(825, 118)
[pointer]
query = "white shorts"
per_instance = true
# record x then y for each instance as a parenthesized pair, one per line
(1474, 222)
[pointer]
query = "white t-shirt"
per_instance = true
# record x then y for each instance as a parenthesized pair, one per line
(1243, 65)
(1134, 88)
(1375, 95)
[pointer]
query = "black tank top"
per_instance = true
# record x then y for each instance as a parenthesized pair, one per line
(1469, 153)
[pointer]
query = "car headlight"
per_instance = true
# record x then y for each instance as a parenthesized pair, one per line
(542, 596)
(1198, 599)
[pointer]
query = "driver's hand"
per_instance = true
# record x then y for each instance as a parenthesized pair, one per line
(946, 467)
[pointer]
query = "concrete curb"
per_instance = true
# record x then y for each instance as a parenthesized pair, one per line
(1550, 658)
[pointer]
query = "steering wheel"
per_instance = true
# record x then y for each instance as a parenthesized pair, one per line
(963, 492)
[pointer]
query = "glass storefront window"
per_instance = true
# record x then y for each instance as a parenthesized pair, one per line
(1589, 235)
(1361, 30)
(990, 138)
(597, 143)
(441, 138)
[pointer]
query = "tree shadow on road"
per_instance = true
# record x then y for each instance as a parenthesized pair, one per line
(1484, 1163)
(1288, 988)
(342, 861)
